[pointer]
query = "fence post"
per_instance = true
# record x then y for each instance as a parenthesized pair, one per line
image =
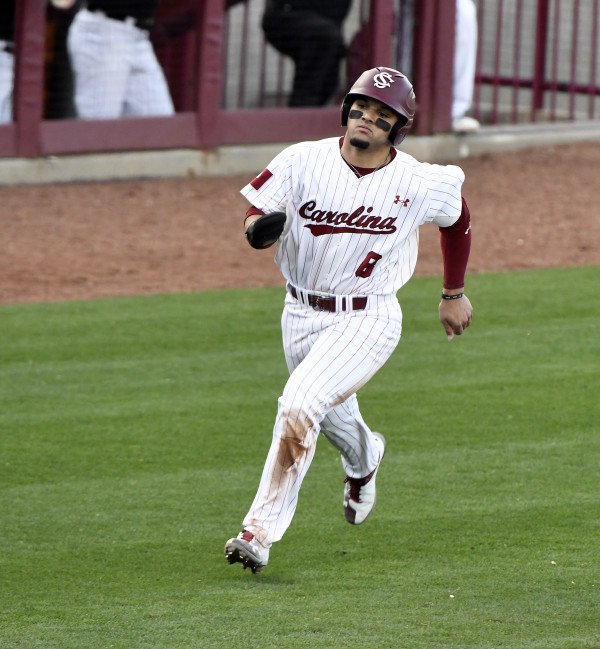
(210, 84)
(539, 65)
(434, 65)
(381, 13)
(28, 89)
(444, 65)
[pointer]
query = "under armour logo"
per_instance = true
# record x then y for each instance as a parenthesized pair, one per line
(405, 202)
(383, 80)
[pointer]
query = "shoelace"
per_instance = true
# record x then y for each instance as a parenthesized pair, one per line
(356, 484)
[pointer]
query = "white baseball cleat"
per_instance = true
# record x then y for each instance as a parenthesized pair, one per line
(247, 550)
(359, 493)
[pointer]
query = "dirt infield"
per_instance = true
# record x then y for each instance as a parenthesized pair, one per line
(531, 209)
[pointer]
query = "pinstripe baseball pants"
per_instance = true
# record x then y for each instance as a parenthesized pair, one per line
(330, 356)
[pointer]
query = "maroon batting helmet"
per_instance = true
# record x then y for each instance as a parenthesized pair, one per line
(391, 88)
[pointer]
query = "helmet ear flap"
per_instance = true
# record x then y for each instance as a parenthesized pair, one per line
(394, 132)
(348, 101)
(393, 137)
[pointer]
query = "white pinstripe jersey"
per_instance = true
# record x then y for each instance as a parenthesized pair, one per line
(347, 235)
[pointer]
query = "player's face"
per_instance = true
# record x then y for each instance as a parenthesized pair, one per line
(369, 123)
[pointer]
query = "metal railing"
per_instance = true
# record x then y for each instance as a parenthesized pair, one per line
(537, 60)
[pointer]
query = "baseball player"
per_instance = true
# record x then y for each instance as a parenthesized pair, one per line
(465, 57)
(349, 211)
(7, 59)
(7, 50)
(116, 72)
(311, 33)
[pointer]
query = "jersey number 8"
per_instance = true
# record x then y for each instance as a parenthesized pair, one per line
(366, 268)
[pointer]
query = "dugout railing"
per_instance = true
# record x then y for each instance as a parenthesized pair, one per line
(537, 61)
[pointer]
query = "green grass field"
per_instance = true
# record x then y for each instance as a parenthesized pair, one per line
(133, 434)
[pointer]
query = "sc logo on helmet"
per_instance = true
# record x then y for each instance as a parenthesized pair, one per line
(383, 80)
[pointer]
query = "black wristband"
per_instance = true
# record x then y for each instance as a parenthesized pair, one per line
(445, 296)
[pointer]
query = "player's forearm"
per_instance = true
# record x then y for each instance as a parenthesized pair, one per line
(455, 242)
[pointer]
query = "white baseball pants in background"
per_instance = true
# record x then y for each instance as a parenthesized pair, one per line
(115, 69)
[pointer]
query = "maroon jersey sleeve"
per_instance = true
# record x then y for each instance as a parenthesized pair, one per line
(455, 241)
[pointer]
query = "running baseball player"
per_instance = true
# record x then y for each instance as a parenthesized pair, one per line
(349, 211)
(116, 72)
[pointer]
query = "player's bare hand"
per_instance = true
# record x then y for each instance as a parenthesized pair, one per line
(455, 315)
